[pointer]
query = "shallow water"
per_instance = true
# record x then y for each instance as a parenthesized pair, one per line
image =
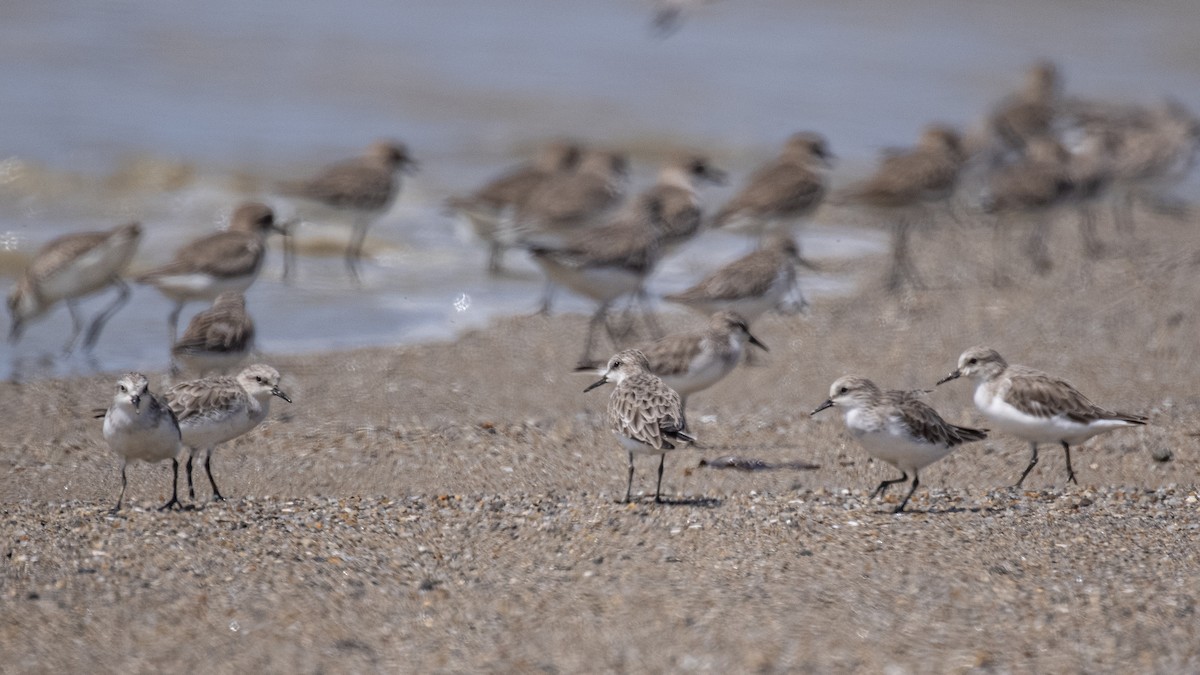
(169, 112)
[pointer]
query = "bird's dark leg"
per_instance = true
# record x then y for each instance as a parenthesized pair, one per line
(915, 483)
(1033, 459)
(658, 486)
(888, 483)
(629, 485)
(208, 469)
(102, 318)
(191, 490)
(120, 498)
(1070, 471)
(174, 486)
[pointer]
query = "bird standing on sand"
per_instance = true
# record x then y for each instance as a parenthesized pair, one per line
(751, 285)
(644, 413)
(218, 409)
(140, 426)
(364, 188)
(69, 268)
(220, 262)
(782, 191)
(896, 427)
(1035, 406)
(904, 186)
(692, 361)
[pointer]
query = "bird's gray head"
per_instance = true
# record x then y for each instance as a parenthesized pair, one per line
(808, 147)
(980, 363)
(261, 381)
(850, 391)
(733, 323)
(558, 155)
(131, 390)
(393, 154)
(254, 217)
(621, 366)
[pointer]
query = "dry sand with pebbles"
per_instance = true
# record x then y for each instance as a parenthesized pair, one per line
(449, 507)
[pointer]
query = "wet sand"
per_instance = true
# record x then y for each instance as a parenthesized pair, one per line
(450, 507)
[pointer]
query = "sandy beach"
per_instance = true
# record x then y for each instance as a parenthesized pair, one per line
(450, 507)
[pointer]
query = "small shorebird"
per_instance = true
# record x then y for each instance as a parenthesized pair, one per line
(139, 425)
(906, 183)
(220, 262)
(782, 191)
(693, 361)
(218, 338)
(896, 427)
(69, 268)
(645, 414)
(751, 285)
(1032, 111)
(363, 187)
(491, 208)
(606, 262)
(218, 409)
(1034, 406)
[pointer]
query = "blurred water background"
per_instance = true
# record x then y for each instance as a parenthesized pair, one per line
(170, 112)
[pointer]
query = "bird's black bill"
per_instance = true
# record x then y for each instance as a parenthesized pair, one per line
(952, 376)
(279, 392)
(827, 404)
(593, 385)
(754, 341)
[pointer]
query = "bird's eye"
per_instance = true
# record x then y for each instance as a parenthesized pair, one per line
(843, 390)
(121, 388)
(616, 364)
(971, 362)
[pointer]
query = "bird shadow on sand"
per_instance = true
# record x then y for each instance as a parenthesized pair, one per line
(701, 502)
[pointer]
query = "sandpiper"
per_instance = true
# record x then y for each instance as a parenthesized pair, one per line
(1034, 406)
(220, 262)
(782, 191)
(645, 414)
(363, 188)
(218, 338)
(692, 361)
(72, 267)
(751, 285)
(896, 427)
(904, 186)
(140, 426)
(218, 409)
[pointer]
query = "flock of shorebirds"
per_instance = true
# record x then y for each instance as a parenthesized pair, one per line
(1039, 151)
